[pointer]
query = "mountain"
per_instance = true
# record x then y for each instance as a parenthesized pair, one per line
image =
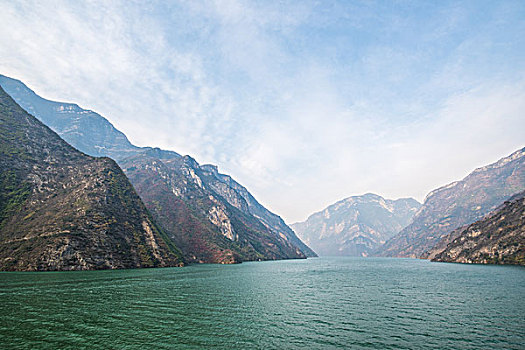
(85, 130)
(458, 204)
(63, 210)
(200, 209)
(357, 225)
(499, 238)
(198, 219)
(239, 197)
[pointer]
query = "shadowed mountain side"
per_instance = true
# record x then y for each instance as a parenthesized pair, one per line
(63, 210)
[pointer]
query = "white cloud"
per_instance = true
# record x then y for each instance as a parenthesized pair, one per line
(303, 103)
(96, 55)
(352, 156)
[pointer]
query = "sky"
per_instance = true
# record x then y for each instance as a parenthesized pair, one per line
(303, 102)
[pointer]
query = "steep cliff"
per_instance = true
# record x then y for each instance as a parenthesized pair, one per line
(198, 219)
(63, 210)
(239, 197)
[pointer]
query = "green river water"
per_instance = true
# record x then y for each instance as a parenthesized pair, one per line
(323, 303)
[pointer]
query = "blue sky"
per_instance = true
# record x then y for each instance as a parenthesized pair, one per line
(303, 102)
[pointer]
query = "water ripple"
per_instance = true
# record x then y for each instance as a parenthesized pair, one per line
(317, 304)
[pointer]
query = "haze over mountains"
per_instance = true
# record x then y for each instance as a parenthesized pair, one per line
(85, 130)
(457, 204)
(208, 215)
(357, 225)
(370, 225)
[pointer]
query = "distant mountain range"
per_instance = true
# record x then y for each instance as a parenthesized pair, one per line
(357, 225)
(457, 204)
(371, 225)
(63, 210)
(499, 238)
(208, 215)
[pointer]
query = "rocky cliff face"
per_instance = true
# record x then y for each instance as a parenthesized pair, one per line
(457, 204)
(63, 210)
(357, 225)
(239, 197)
(499, 238)
(200, 208)
(197, 218)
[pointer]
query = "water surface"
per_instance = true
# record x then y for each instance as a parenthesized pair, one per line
(316, 303)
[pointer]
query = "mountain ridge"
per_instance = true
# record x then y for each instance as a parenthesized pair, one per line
(221, 187)
(457, 204)
(356, 225)
(223, 233)
(61, 209)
